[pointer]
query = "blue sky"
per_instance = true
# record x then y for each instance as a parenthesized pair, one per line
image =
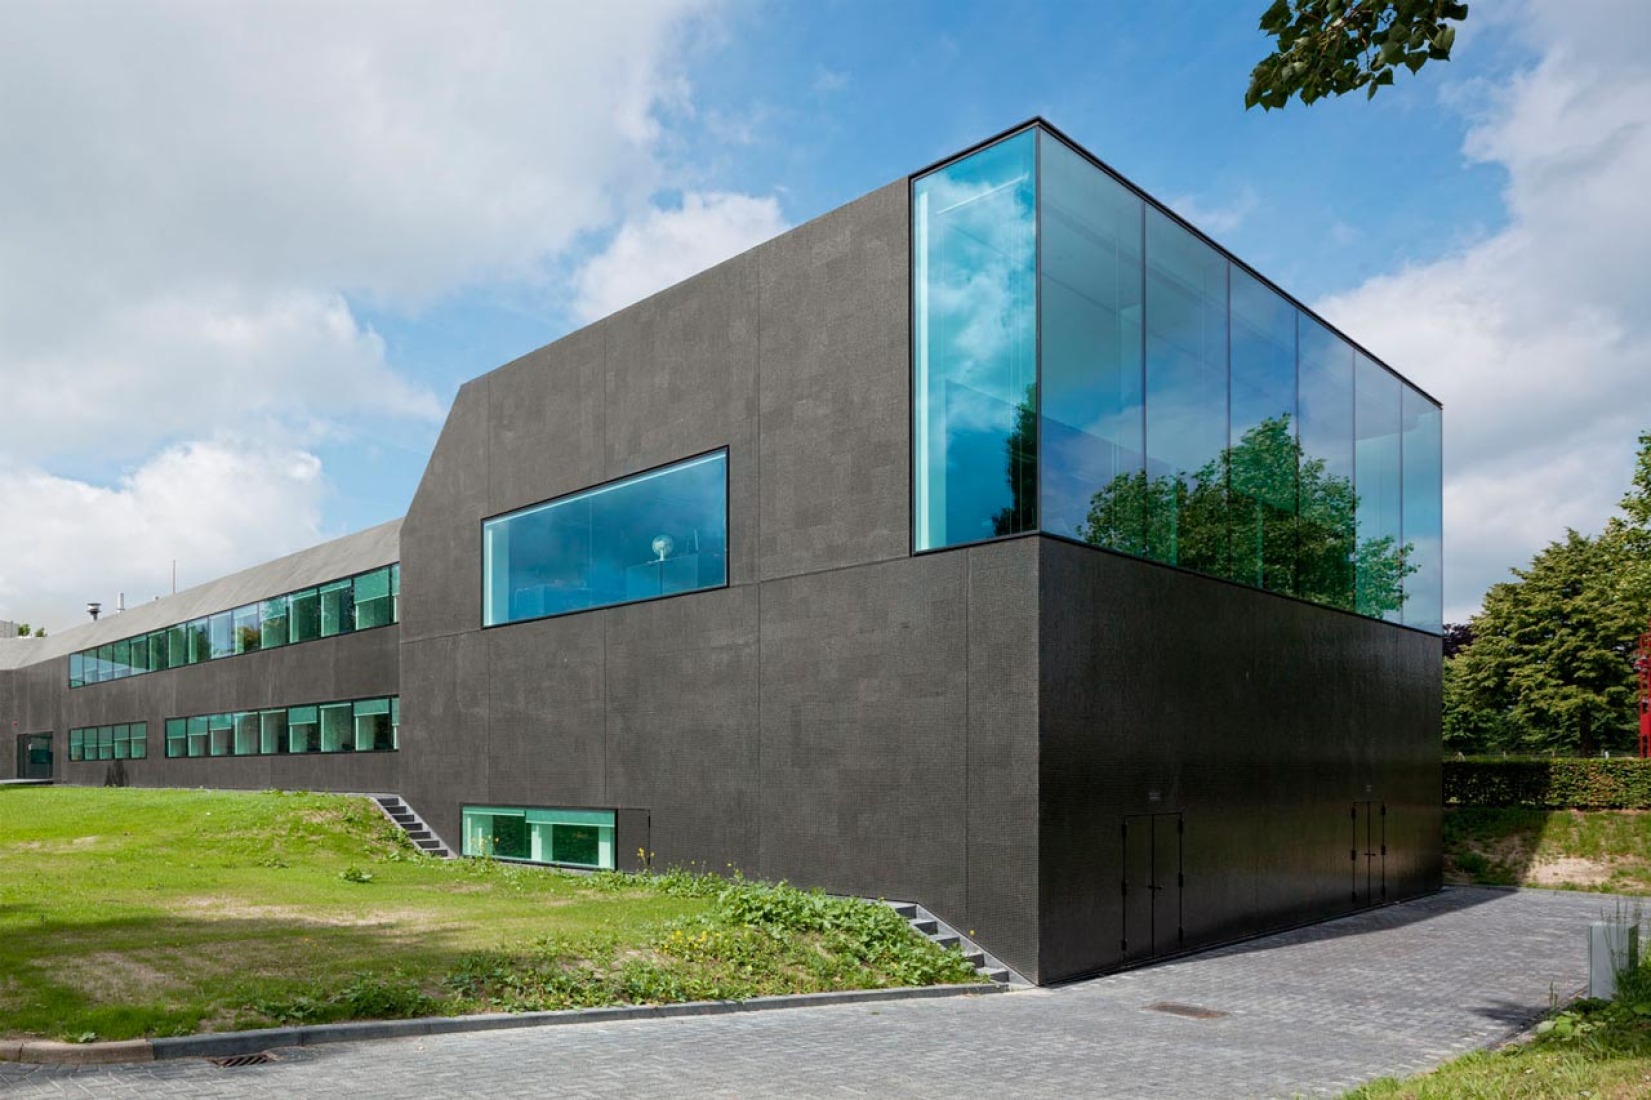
(251, 254)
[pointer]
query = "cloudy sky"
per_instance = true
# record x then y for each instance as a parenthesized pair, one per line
(248, 252)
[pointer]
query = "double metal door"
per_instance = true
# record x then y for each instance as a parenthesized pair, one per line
(1152, 884)
(1368, 853)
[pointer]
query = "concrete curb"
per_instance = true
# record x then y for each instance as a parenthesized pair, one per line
(227, 1044)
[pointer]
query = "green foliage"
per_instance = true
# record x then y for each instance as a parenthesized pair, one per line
(1331, 47)
(1621, 783)
(354, 874)
(1549, 667)
(1262, 513)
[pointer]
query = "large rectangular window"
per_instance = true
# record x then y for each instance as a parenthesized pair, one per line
(655, 534)
(1379, 568)
(1423, 513)
(129, 741)
(574, 838)
(974, 346)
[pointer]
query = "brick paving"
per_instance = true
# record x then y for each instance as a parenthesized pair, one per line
(1308, 1013)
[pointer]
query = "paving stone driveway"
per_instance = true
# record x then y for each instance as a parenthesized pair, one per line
(1310, 1012)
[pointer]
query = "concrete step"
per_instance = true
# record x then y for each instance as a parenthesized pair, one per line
(946, 941)
(999, 975)
(906, 910)
(416, 835)
(976, 959)
(926, 927)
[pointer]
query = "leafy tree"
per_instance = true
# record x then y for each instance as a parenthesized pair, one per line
(1022, 467)
(24, 630)
(1330, 47)
(1458, 636)
(1549, 668)
(1262, 513)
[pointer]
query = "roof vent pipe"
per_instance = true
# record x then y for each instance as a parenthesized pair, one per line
(93, 608)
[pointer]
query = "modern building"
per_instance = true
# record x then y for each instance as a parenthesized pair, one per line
(996, 542)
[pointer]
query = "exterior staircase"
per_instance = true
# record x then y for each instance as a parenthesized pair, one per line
(933, 928)
(422, 836)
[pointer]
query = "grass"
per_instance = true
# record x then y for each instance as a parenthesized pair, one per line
(1606, 850)
(131, 913)
(1593, 1049)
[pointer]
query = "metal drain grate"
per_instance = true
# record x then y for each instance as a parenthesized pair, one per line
(236, 1061)
(1191, 1012)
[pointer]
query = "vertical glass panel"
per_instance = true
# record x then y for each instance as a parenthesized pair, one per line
(221, 635)
(1379, 568)
(496, 834)
(106, 742)
(76, 744)
(304, 729)
(159, 659)
(247, 733)
(177, 737)
(123, 742)
(140, 740)
(122, 659)
(200, 642)
(1325, 534)
(199, 734)
(372, 726)
(177, 645)
(304, 608)
(221, 728)
(1186, 399)
(77, 670)
(337, 608)
(974, 354)
(653, 535)
(249, 632)
(272, 620)
(395, 721)
(372, 599)
(140, 654)
(337, 728)
(272, 731)
(1090, 303)
(1262, 448)
(395, 592)
(1423, 512)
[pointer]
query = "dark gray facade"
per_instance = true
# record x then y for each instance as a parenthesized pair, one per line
(990, 730)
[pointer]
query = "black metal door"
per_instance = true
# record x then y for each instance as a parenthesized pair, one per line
(34, 756)
(1368, 853)
(1151, 886)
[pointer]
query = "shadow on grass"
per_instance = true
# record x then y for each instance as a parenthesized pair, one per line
(148, 976)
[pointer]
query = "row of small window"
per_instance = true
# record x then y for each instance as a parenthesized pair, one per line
(338, 607)
(362, 725)
(572, 838)
(124, 742)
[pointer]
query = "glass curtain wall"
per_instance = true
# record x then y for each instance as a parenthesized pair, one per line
(1077, 347)
(974, 313)
(578, 838)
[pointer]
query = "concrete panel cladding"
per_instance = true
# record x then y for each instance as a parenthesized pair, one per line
(1207, 753)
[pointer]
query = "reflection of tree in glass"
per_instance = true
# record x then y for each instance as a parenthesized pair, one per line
(1262, 513)
(1022, 446)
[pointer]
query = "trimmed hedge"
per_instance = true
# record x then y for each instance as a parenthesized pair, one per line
(1621, 783)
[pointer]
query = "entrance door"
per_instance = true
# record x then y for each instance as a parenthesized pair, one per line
(1369, 853)
(34, 756)
(1152, 881)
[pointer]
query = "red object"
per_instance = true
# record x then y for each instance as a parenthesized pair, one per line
(1642, 665)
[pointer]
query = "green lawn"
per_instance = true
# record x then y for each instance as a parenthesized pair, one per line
(128, 913)
(1607, 850)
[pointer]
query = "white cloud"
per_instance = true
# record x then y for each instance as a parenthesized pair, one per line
(214, 507)
(195, 194)
(662, 247)
(1537, 338)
